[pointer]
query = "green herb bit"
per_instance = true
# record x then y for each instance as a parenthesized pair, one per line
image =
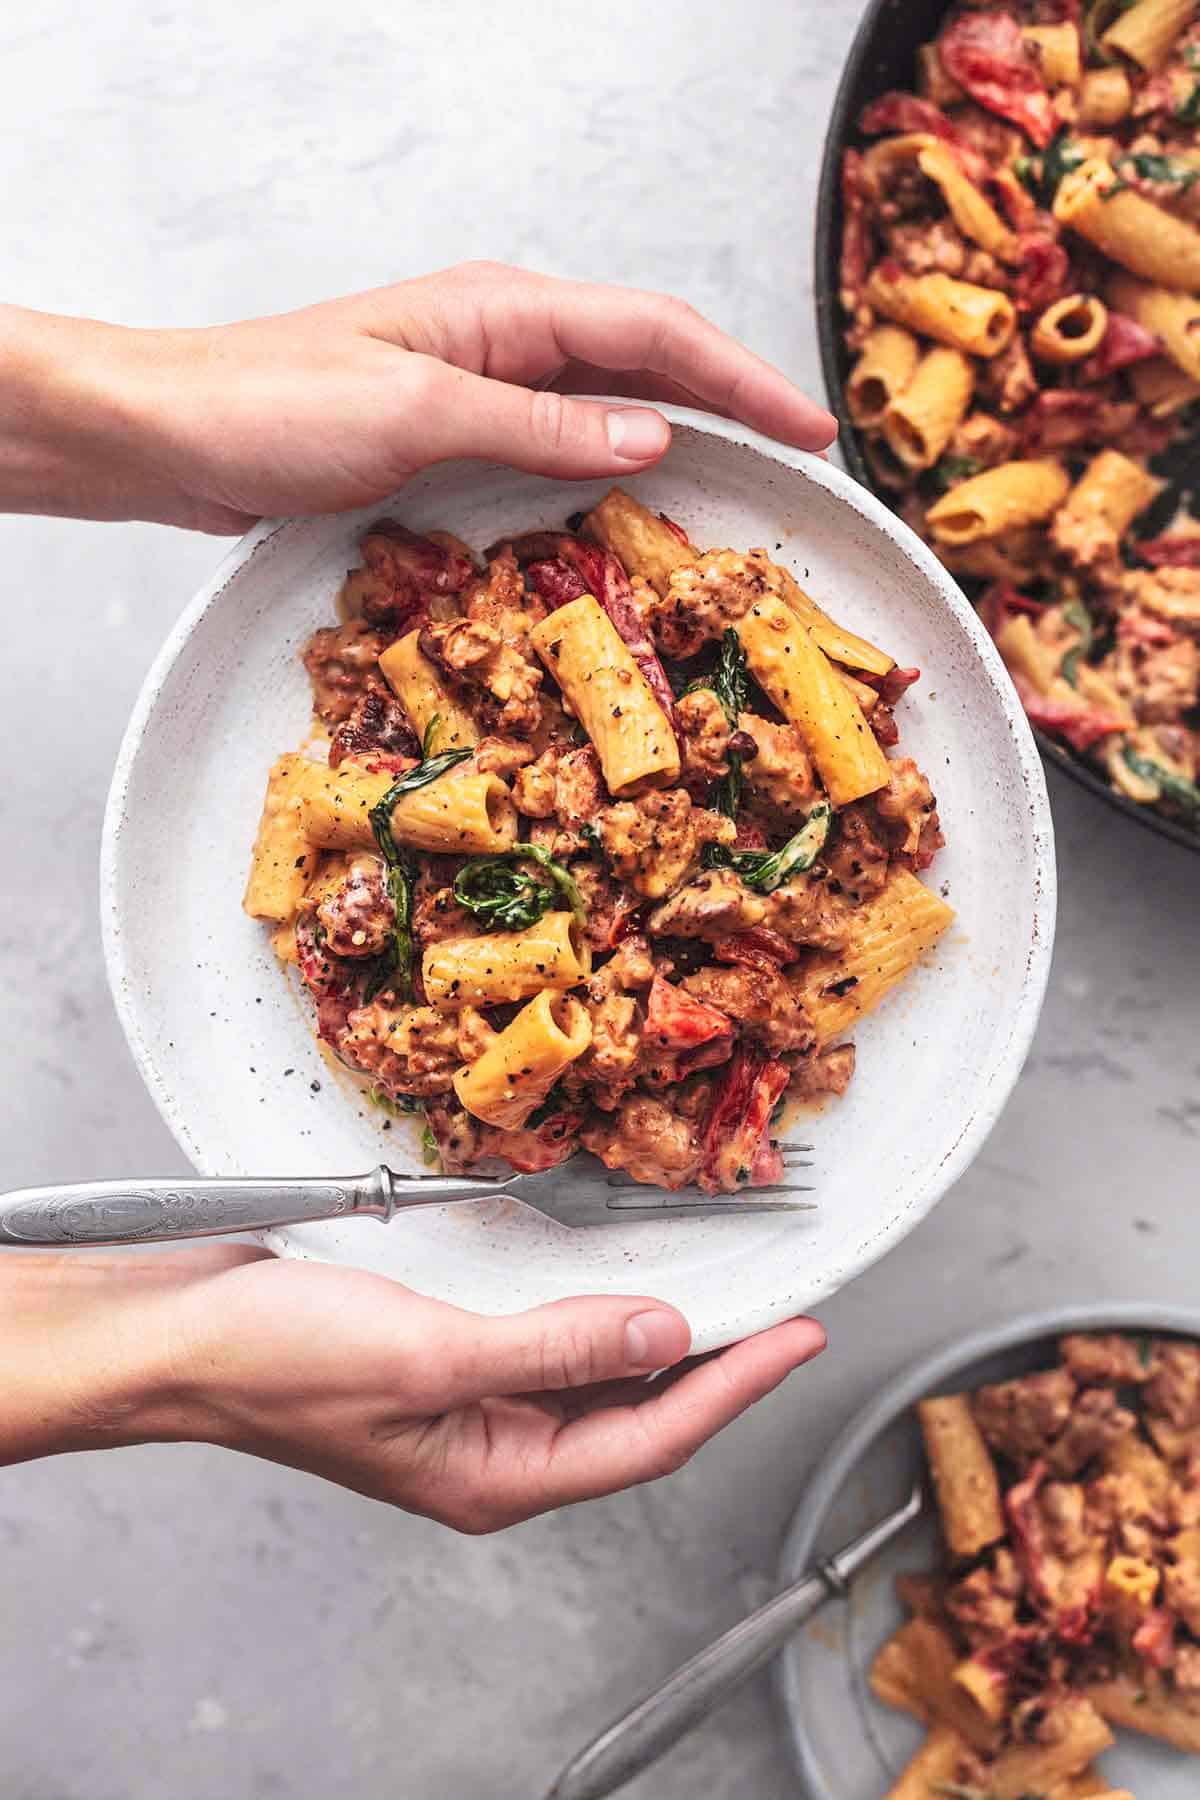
(1189, 112)
(430, 1155)
(1145, 1351)
(726, 796)
(398, 1105)
(729, 679)
(953, 469)
(401, 872)
(1062, 156)
(1076, 614)
(765, 870)
(1171, 786)
(556, 1101)
(430, 737)
(1028, 171)
(1161, 168)
(509, 897)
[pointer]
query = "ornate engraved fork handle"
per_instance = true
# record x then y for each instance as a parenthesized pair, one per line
(120, 1212)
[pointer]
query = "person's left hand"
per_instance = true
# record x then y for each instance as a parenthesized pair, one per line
(476, 1422)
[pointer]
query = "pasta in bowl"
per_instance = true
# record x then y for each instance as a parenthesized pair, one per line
(602, 841)
(227, 1046)
(1018, 259)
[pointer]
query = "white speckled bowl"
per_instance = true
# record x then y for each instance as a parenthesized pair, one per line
(225, 1047)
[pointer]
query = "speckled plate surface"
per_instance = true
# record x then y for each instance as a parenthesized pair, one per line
(846, 1745)
(225, 1046)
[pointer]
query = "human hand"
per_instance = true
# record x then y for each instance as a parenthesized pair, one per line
(337, 405)
(476, 1422)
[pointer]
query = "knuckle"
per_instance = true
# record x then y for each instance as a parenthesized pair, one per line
(568, 1359)
(549, 419)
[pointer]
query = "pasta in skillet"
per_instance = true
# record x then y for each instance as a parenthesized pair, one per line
(1068, 1601)
(1021, 275)
(600, 843)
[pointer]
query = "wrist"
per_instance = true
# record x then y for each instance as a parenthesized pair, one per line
(82, 432)
(87, 1345)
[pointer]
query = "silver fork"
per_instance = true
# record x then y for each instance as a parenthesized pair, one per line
(580, 1193)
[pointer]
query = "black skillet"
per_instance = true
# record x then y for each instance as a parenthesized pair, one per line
(883, 56)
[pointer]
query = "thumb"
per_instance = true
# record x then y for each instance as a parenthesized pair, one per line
(545, 433)
(567, 1344)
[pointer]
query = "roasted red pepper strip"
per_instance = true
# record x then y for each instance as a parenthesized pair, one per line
(856, 232)
(986, 54)
(555, 582)
(895, 111)
(1124, 342)
(892, 686)
(677, 1022)
(739, 1117)
(1178, 552)
(1080, 724)
(757, 948)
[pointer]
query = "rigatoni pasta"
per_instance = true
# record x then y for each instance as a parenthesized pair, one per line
(795, 674)
(515, 1073)
(1131, 230)
(1001, 500)
(1034, 209)
(962, 314)
(425, 695)
(923, 418)
(890, 933)
(529, 775)
(608, 694)
(504, 966)
(884, 368)
(1064, 1601)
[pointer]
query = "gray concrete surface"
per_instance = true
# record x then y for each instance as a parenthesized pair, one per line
(177, 1622)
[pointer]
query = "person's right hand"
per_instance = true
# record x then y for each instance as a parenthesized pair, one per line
(338, 404)
(476, 1422)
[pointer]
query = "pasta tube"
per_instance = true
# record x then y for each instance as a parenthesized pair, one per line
(915, 1672)
(1127, 1700)
(516, 1072)
(1130, 1585)
(975, 216)
(1103, 504)
(890, 932)
(840, 645)
(1080, 1735)
(964, 1475)
(1147, 31)
(795, 673)
(608, 694)
(1058, 53)
(1017, 557)
(1069, 330)
(1000, 500)
(1105, 97)
(638, 538)
(882, 371)
(936, 1763)
(1161, 386)
(282, 861)
(979, 320)
(424, 696)
(920, 422)
(501, 966)
(1173, 317)
(1129, 229)
(460, 812)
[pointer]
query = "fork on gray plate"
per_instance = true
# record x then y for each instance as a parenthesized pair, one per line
(580, 1193)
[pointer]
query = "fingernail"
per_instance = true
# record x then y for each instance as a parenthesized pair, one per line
(634, 434)
(654, 1340)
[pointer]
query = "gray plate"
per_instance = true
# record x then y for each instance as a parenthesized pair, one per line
(845, 1745)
